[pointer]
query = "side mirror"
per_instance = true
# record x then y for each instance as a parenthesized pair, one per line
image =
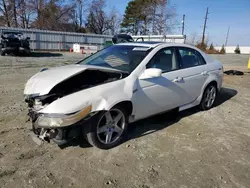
(151, 73)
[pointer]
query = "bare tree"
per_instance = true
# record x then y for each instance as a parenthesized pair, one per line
(42, 14)
(25, 13)
(4, 7)
(9, 9)
(81, 9)
(97, 19)
(37, 7)
(52, 15)
(163, 17)
(13, 10)
(192, 39)
(114, 21)
(154, 9)
(148, 16)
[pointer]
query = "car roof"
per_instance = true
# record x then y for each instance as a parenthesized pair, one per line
(152, 44)
(142, 44)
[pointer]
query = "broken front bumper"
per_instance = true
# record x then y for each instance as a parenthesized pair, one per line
(59, 128)
(59, 136)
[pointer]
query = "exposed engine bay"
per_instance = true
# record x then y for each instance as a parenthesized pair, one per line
(84, 80)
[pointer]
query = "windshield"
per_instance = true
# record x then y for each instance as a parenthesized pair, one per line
(121, 57)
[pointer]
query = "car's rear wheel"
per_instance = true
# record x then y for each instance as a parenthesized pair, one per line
(209, 97)
(107, 129)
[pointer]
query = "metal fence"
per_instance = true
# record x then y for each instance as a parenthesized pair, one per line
(55, 40)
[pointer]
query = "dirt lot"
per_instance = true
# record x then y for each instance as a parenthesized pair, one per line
(198, 149)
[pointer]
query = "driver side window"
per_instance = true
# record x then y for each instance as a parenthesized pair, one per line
(165, 59)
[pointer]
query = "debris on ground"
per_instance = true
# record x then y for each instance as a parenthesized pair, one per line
(234, 72)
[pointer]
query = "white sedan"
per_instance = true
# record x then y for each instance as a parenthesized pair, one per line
(97, 97)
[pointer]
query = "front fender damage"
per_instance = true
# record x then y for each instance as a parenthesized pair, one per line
(70, 97)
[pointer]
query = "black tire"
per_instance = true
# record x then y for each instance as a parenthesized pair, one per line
(204, 103)
(91, 135)
(2, 53)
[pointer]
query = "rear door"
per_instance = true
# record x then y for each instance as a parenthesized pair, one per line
(192, 72)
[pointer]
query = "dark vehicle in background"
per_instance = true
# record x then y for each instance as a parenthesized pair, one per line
(124, 38)
(14, 43)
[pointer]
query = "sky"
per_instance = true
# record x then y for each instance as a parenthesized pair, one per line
(222, 14)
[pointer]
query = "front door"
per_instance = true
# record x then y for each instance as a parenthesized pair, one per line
(155, 95)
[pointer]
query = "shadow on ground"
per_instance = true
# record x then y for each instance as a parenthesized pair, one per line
(159, 122)
(224, 95)
(79, 142)
(45, 54)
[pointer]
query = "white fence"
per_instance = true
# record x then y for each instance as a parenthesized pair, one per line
(230, 49)
(54, 40)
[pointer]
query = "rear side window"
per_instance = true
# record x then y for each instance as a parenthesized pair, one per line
(190, 58)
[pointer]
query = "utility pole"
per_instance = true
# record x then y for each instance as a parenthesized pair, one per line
(227, 35)
(183, 24)
(204, 28)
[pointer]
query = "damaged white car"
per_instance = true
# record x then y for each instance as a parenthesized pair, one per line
(97, 97)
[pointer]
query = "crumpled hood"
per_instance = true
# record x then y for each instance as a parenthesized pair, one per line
(42, 82)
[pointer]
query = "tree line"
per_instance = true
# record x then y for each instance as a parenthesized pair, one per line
(147, 17)
(141, 16)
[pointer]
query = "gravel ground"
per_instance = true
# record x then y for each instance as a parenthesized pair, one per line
(234, 61)
(197, 149)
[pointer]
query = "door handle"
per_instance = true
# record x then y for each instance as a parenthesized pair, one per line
(204, 73)
(178, 79)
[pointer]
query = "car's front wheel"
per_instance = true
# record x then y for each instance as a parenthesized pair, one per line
(209, 97)
(107, 129)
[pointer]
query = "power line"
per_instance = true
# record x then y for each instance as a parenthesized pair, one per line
(204, 27)
(194, 33)
(189, 29)
(188, 32)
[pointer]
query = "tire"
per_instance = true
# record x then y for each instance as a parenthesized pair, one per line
(209, 97)
(98, 131)
(2, 53)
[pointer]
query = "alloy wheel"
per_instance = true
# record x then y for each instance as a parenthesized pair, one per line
(210, 96)
(111, 126)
